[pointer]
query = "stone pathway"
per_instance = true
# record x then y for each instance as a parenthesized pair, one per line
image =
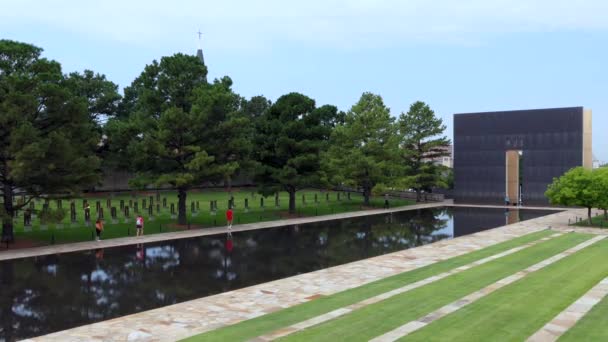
(350, 308)
(507, 207)
(412, 326)
(571, 315)
(193, 317)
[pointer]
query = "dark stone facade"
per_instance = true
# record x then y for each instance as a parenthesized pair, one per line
(551, 141)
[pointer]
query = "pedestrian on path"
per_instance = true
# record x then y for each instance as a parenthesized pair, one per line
(385, 201)
(139, 225)
(98, 228)
(229, 217)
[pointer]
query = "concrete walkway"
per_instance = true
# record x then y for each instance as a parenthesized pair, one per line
(506, 207)
(189, 318)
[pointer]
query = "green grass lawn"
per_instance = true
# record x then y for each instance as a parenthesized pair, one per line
(163, 221)
(592, 327)
(517, 311)
(598, 221)
(377, 319)
(259, 326)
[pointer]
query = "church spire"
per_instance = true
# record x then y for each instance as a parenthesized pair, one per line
(199, 52)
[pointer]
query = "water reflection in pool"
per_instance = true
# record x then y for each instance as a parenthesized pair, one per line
(49, 293)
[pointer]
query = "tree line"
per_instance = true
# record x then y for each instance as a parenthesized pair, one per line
(59, 132)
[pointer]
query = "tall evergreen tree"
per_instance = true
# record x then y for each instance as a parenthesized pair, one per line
(290, 137)
(182, 131)
(421, 142)
(363, 149)
(251, 109)
(101, 94)
(48, 140)
(255, 106)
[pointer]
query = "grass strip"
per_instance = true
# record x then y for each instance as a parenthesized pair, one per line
(517, 311)
(599, 221)
(258, 326)
(593, 326)
(377, 319)
(327, 203)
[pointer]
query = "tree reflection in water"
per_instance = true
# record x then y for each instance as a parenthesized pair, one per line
(49, 293)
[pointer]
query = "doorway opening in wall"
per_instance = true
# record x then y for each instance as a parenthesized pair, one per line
(514, 181)
(514, 173)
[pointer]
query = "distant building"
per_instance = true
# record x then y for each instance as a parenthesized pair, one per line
(199, 52)
(444, 160)
(516, 154)
(597, 163)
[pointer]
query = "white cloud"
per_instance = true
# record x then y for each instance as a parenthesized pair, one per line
(346, 23)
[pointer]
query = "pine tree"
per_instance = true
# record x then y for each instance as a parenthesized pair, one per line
(420, 144)
(47, 136)
(363, 149)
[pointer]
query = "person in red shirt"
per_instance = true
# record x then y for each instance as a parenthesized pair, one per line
(98, 228)
(139, 225)
(229, 217)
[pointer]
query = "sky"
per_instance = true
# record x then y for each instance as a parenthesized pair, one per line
(457, 56)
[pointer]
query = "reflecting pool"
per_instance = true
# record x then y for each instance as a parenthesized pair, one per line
(49, 293)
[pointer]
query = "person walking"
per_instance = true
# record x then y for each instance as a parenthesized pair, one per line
(386, 201)
(229, 217)
(98, 228)
(139, 225)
